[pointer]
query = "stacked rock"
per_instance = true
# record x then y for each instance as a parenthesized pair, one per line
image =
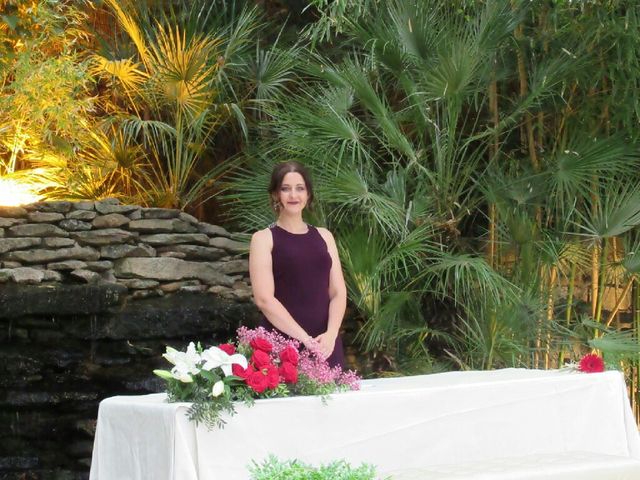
(152, 251)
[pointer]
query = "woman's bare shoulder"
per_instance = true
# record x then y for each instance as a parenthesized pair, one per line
(262, 237)
(326, 234)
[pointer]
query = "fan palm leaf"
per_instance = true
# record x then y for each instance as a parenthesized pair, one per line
(618, 212)
(182, 68)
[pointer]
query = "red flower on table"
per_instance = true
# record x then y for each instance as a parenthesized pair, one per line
(238, 371)
(263, 378)
(260, 359)
(261, 344)
(591, 363)
(289, 372)
(273, 376)
(257, 381)
(290, 355)
(228, 348)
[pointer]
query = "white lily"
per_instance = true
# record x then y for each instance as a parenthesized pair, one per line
(218, 388)
(214, 357)
(190, 357)
(185, 363)
(181, 375)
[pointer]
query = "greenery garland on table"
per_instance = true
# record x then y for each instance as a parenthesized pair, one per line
(274, 469)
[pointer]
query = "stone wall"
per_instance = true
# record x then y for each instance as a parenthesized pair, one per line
(150, 251)
(63, 348)
(90, 295)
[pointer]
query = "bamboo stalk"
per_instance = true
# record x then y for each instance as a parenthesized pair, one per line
(569, 311)
(529, 140)
(634, 377)
(553, 274)
(601, 286)
(595, 271)
(614, 255)
(493, 214)
(619, 301)
(492, 336)
(493, 218)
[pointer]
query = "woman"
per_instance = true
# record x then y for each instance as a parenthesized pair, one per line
(295, 270)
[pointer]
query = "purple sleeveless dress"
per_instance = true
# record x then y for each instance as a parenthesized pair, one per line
(301, 266)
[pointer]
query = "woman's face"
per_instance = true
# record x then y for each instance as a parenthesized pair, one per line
(293, 193)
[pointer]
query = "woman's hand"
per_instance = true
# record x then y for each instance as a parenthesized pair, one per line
(311, 344)
(326, 343)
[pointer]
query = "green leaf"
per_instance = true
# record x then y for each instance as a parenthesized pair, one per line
(10, 20)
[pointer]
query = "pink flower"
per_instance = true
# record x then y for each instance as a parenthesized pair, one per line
(228, 348)
(277, 340)
(591, 363)
(350, 379)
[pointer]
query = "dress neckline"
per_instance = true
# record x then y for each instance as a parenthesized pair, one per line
(292, 233)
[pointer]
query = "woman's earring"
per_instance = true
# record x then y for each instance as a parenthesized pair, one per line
(276, 205)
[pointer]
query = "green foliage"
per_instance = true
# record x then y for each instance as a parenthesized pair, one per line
(391, 135)
(477, 161)
(45, 89)
(468, 155)
(204, 409)
(275, 469)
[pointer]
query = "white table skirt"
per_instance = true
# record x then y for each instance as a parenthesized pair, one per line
(395, 424)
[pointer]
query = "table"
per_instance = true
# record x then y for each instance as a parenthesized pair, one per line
(398, 424)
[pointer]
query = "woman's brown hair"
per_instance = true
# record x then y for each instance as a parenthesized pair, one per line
(277, 176)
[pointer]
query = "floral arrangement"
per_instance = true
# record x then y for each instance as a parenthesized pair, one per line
(274, 469)
(261, 364)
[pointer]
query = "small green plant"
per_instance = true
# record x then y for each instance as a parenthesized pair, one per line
(274, 469)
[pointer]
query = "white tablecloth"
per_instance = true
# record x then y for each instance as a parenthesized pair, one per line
(395, 424)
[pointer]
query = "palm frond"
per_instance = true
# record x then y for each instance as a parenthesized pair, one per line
(572, 171)
(465, 278)
(183, 69)
(125, 71)
(616, 213)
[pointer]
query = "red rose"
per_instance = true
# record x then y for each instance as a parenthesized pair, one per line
(228, 348)
(273, 376)
(238, 371)
(258, 381)
(260, 359)
(289, 372)
(289, 355)
(261, 344)
(591, 363)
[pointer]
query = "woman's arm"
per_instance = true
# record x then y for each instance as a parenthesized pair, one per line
(337, 296)
(261, 273)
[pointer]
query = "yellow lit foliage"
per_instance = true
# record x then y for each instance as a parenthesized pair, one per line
(14, 193)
